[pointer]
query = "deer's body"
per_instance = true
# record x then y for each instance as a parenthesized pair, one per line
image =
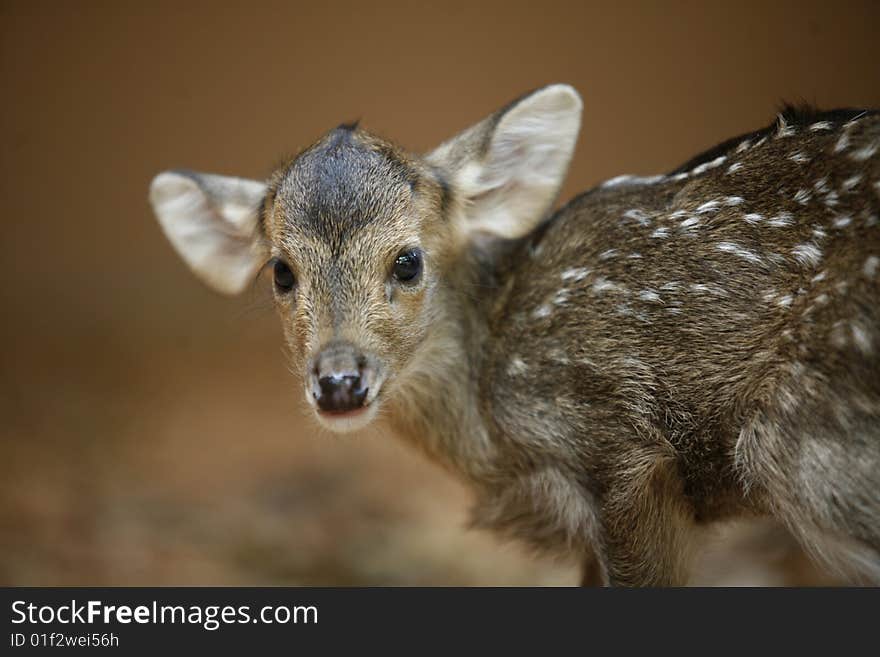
(659, 354)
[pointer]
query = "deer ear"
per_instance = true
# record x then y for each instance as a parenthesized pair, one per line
(506, 171)
(212, 223)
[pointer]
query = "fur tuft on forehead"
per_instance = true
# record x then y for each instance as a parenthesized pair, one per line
(345, 181)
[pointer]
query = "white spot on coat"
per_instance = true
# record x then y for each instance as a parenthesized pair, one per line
(660, 233)
(708, 206)
(820, 125)
(629, 179)
(639, 216)
(872, 263)
(798, 157)
(517, 366)
(606, 255)
(803, 196)
(783, 129)
(865, 152)
(754, 218)
(737, 250)
(842, 143)
(618, 180)
(862, 338)
(649, 295)
(733, 168)
(732, 201)
(851, 182)
(781, 220)
(602, 285)
(575, 274)
(708, 288)
(838, 335)
(702, 168)
(807, 254)
(542, 311)
(842, 222)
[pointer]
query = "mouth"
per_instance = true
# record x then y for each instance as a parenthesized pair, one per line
(342, 415)
(349, 420)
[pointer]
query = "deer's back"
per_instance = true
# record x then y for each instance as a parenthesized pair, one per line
(672, 309)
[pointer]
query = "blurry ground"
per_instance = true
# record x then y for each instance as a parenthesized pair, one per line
(165, 461)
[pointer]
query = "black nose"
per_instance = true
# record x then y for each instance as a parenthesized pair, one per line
(340, 393)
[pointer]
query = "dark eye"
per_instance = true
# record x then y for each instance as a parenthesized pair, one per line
(284, 279)
(408, 266)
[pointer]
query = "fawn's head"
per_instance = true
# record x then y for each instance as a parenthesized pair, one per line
(361, 237)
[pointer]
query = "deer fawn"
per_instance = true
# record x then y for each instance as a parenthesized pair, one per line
(612, 378)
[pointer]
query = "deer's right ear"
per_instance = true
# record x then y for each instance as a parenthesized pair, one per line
(212, 223)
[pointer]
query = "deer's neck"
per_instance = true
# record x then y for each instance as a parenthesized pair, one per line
(437, 406)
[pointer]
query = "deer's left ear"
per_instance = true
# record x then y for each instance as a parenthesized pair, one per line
(506, 171)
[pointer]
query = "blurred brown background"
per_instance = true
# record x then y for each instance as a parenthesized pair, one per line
(149, 431)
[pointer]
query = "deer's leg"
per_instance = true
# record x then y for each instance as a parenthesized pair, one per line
(646, 524)
(819, 467)
(591, 570)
